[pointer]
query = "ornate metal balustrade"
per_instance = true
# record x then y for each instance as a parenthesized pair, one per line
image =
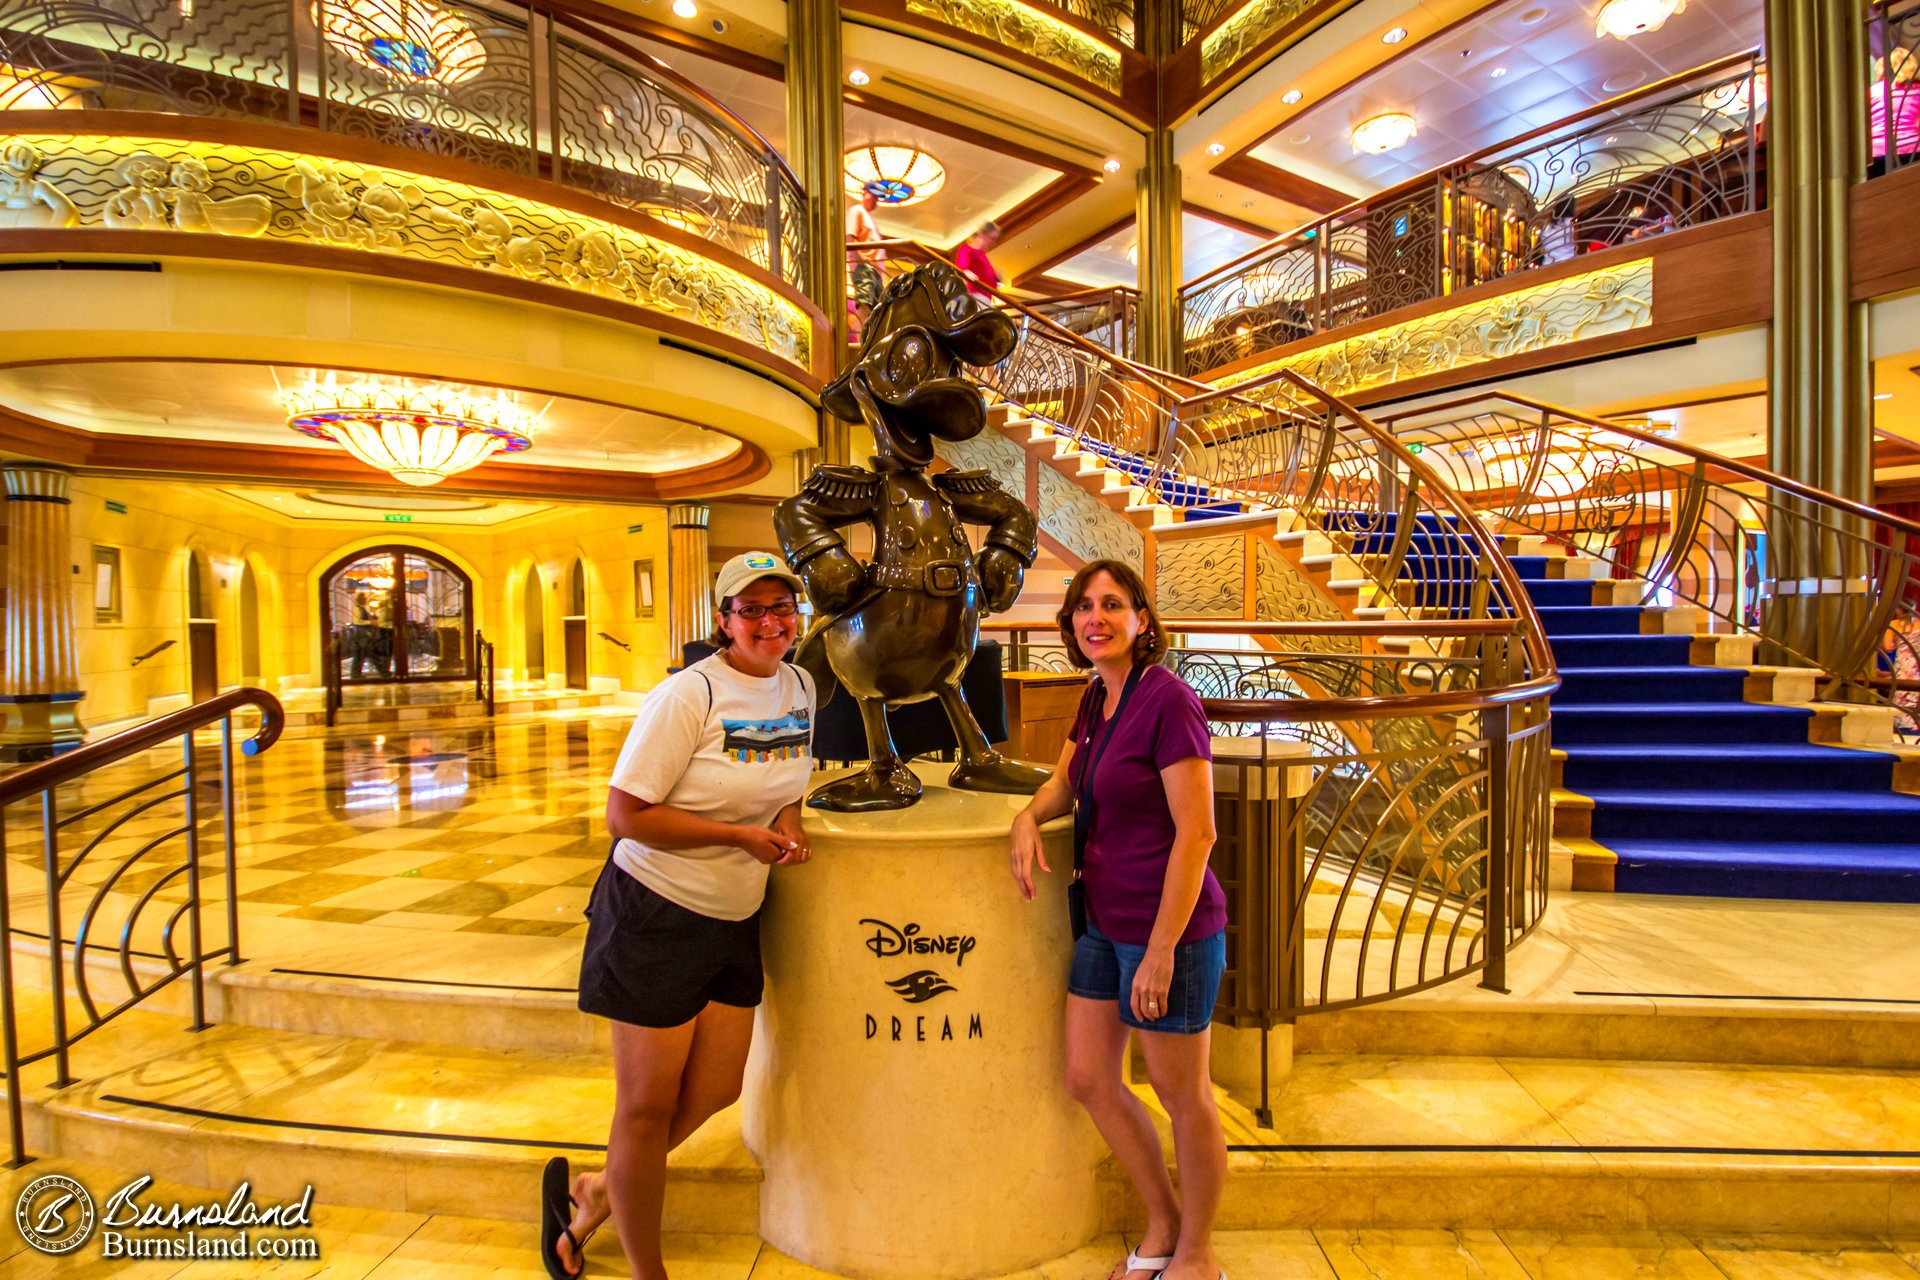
(1679, 154)
(119, 833)
(1108, 318)
(524, 90)
(1893, 91)
(1824, 582)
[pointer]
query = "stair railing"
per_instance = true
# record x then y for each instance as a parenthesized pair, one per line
(1825, 582)
(113, 903)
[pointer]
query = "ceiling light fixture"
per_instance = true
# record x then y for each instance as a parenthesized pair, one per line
(418, 435)
(1625, 19)
(857, 77)
(1497, 72)
(1111, 166)
(1383, 133)
(1216, 148)
(1884, 395)
(685, 8)
(1394, 36)
(406, 39)
(895, 174)
(1291, 96)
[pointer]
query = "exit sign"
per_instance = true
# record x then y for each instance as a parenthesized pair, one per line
(1416, 447)
(397, 519)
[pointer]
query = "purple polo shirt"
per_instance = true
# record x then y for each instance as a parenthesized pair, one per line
(1132, 836)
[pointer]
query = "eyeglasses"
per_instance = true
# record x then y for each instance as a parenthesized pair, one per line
(755, 612)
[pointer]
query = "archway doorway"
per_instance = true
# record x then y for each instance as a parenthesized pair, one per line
(203, 637)
(398, 613)
(574, 627)
(249, 624)
(533, 617)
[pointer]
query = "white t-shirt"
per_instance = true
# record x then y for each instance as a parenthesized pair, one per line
(741, 757)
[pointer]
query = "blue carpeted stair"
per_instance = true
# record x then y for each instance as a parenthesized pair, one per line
(1195, 501)
(1697, 791)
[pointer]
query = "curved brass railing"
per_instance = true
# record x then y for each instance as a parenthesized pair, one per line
(127, 886)
(529, 89)
(1824, 581)
(1676, 154)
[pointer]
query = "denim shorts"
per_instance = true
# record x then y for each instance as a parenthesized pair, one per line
(1103, 970)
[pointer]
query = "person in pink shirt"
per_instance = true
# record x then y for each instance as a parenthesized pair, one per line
(1137, 775)
(972, 260)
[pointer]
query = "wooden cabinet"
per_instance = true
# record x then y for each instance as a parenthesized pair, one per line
(1040, 708)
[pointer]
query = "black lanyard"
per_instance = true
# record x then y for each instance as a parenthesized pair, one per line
(1084, 811)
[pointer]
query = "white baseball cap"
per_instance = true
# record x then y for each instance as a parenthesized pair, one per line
(747, 568)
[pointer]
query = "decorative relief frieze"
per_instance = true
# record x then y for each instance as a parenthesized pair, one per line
(1281, 593)
(1239, 35)
(1574, 309)
(1085, 525)
(157, 184)
(1038, 35)
(999, 455)
(1201, 577)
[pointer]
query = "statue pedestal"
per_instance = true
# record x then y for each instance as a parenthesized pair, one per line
(905, 1097)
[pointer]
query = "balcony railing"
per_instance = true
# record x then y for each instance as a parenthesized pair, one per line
(1679, 154)
(528, 91)
(1893, 89)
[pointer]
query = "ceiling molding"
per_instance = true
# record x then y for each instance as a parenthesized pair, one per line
(164, 457)
(1271, 180)
(1228, 220)
(659, 32)
(1077, 247)
(1042, 204)
(894, 109)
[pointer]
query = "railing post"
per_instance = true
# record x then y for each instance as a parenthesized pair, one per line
(232, 842)
(1496, 723)
(56, 973)
(9, 1026)
(195, 946)
(774, 263)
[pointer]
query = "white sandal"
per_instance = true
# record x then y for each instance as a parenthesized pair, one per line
(1137, 1263)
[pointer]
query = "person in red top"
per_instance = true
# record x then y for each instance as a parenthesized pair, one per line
(1138, 768)
(972, 260)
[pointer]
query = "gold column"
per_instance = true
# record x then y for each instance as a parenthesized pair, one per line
(1820, 389)
(689, 584)
(1157, 203)
(39, 673)
(804, 461)
(816, 142)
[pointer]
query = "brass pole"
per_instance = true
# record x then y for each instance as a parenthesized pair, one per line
(816, 142)
(1157, 205)
(1820, 427)
(689, 584)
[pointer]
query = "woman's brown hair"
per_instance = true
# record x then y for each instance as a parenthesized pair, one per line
(1149, 646)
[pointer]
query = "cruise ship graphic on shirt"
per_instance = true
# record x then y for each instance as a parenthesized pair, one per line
(761, 741)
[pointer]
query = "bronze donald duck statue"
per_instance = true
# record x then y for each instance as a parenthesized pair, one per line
(903, 627)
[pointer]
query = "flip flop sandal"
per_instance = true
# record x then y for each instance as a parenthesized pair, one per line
(1156, 1265)
(556, 1220)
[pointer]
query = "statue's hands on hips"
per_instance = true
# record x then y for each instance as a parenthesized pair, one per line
(1000, 573)
(833, 579)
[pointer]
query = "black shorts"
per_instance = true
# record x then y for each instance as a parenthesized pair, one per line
(651, 962)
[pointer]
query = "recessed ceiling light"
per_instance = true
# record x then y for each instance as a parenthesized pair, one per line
(719, 28)
(1290, 97)
(685, 8)
(1884, 395)
(1532, 16)
(1215, 148)
(857, 77)
(1623, 81)
(1497, 72)
(1111, 166)
(1300, 139)
(1394, 36)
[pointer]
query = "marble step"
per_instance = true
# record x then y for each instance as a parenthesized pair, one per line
(1381, 1141)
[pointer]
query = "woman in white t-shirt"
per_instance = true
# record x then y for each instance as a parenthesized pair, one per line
(705, 800)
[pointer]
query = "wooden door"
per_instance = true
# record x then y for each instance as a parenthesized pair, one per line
(203, 665)
(576, 638)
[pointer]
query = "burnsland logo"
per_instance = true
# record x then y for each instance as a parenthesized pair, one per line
(55, 1215)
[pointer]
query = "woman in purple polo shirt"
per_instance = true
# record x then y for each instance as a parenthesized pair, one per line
(1137, 772)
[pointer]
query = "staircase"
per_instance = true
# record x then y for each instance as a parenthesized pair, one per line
(1694, 789)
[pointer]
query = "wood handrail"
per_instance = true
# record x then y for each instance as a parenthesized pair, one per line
(1252, 710)
(39, 777)
(1445, 628)
(1757, 475)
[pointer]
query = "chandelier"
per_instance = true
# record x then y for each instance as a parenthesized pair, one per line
(1625, 19)
(406, 39)
(1380, 134)
(896, 175)
(419, 435)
